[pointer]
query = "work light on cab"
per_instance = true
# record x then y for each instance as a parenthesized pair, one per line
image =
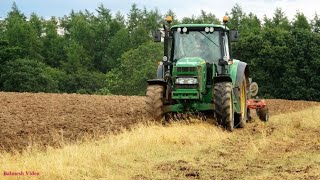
(225, 19)
(169, 19)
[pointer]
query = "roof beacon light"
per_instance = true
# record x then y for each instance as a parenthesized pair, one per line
(169, 19)
(225, 19)
(211, 29)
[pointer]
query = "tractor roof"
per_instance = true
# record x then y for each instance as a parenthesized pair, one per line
(198, 25)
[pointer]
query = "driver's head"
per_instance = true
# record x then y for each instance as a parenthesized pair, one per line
(203, 42)
(199, 40)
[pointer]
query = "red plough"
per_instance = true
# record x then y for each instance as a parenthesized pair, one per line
(259, 105)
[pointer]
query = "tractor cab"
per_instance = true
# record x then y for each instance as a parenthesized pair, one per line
(203, 42)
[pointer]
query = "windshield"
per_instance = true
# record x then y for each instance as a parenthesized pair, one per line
(197, 44)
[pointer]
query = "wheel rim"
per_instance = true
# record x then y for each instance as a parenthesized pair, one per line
(243, 101)
(231, 112)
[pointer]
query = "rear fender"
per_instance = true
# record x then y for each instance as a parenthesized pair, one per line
(237, 70)
(242, 70)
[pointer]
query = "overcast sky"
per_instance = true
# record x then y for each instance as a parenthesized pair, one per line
(182, 8)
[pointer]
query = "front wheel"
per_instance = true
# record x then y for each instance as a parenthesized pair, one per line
(154, 102)
(223, 101)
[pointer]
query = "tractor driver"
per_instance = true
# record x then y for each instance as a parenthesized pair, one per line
(202, 47)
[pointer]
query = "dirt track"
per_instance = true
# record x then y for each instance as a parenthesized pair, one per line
(49, 119)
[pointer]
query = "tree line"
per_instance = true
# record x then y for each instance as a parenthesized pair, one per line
(104, 53)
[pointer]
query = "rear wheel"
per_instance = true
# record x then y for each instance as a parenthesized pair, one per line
(241, 119)
(154, 102)
(223, 101)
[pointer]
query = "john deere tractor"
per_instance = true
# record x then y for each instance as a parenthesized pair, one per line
(198, 73)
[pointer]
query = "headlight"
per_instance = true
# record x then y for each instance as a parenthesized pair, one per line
(164, 58)
(186, 81)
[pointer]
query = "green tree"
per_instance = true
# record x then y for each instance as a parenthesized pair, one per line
(189, 20)
(203, 18)
(20, 33)
(236, 17)
(36, 24)
(53, 44)
(250, 23)
(301, 22)
(134, 17)
(104, 28)
(24, 75)
(8, 53)
(77, 58)
(83, 82)
(136, 67)
(118, 45)
(151, 19)
(139, 36)
(280, 19)
(208, 18)
(316, 23)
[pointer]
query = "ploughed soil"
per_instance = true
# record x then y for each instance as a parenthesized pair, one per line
(51, 119)
(54, 119)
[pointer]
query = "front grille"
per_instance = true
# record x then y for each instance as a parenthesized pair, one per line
(186, 86)
(186, 69)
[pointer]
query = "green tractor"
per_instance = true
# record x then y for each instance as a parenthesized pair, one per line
(197, 73)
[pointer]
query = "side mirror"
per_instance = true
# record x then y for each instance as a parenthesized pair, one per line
(157, 35)
(234, 35)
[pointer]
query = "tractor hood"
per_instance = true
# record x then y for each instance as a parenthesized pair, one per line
(190, 62)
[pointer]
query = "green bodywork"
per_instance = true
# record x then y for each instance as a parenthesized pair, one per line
(199, 96)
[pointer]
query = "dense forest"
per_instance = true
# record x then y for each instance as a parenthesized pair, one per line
(104, 52)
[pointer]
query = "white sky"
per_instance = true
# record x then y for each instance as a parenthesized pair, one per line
(182, 8)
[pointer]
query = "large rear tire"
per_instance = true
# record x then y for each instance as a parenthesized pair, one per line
(223, 101)
(154, 102)
(241, 119)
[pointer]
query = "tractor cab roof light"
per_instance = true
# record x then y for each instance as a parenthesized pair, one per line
(169, 19)
(184, 30)
(225, 19)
